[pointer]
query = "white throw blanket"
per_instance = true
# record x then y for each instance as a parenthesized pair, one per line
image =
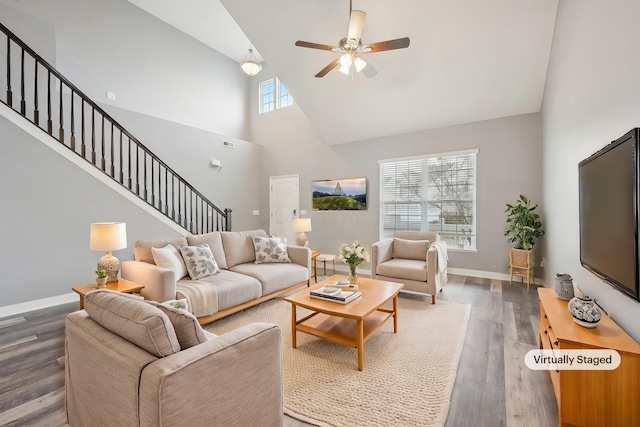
(443, 259)
(202, 296)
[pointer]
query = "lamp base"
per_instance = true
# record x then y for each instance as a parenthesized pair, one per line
(111, 265)
(301, 240)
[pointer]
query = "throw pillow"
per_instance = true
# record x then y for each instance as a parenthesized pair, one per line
(199, 261)
(134, 320)
(410, 249)
(168, 257)
(188, 330)
(270, 249)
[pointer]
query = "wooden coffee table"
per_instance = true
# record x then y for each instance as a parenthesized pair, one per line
(350, 324)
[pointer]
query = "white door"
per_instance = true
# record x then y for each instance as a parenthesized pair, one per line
(284, 201)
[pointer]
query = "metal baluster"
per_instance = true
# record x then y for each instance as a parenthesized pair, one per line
(73, 125)
(153, 184)
(23, 103)
(137, 170)
(93, 136)
(103, 162)
(191, 210)
(9, 93)
(159, 186)
(36, 113)
(173, 197)
(179, 205)
(49, 120)
(83, 148)
(121, 159)
(113, 169)
(185, 205)
(166, 191)
(129, 162)
(144, 158)
(61, 131)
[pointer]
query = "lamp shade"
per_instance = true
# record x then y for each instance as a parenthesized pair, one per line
(300, 225)
(250, 67)
(108, 236)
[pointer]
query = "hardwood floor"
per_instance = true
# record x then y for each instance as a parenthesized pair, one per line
(493, 386)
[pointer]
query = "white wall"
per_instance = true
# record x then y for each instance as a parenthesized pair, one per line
(154, 69)
(592, 97)
(509, 164)
(47, 206)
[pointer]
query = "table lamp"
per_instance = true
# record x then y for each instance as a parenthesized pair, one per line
(108, 236)
(300, 225)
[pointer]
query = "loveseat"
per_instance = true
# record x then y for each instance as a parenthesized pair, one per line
(131, 362)
(243, 268)
(416, 259)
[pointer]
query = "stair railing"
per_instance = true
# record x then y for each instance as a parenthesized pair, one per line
(87, 130)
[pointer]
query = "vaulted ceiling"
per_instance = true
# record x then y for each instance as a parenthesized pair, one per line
(468, 60)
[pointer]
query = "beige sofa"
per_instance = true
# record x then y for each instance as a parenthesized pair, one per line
(416, 259)
(130, 363)
(240, 283)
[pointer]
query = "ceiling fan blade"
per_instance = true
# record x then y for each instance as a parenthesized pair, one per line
(300, 43)
(369, 71)
(328, 68)
(356, 25)
(388, 45)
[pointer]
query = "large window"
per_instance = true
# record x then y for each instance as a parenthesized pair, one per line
(431, 193)
(273, 95)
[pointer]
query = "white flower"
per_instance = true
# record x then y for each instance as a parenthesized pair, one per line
(352, 255)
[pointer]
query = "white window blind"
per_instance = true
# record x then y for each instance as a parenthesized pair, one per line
(433, 193)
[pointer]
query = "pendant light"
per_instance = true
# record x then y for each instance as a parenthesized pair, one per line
(250, 66)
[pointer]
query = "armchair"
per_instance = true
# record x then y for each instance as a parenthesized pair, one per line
(413, 258)
(129, 362)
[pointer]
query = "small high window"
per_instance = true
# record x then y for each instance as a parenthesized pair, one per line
(273, 95)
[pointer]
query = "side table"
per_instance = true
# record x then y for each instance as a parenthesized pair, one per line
(314, 267)
(327, 257)
(121, 285)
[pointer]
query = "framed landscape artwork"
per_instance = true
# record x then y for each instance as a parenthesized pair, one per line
(339, 194)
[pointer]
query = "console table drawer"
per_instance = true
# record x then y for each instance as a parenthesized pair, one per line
(590, 397)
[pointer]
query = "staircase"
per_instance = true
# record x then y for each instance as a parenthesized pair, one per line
(50, 102)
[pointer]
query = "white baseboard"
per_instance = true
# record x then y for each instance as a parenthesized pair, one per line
(12, 310)
(478, 273)
(489, 275)
(460, 271)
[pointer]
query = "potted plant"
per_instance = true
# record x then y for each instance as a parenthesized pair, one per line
(523, 228)
(101, 278)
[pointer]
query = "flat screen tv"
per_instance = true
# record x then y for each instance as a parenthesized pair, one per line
(339, 194)
(609, 187)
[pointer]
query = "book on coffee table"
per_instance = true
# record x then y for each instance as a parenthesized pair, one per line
(330, 294)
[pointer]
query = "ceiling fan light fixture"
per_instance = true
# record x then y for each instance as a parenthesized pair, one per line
(359, 63)
(345, 63)
(250, 66)
(346, 60)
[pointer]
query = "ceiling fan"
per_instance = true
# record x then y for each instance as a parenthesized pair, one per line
(351, 47)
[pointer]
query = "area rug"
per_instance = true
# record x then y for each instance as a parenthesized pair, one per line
(407, 379)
